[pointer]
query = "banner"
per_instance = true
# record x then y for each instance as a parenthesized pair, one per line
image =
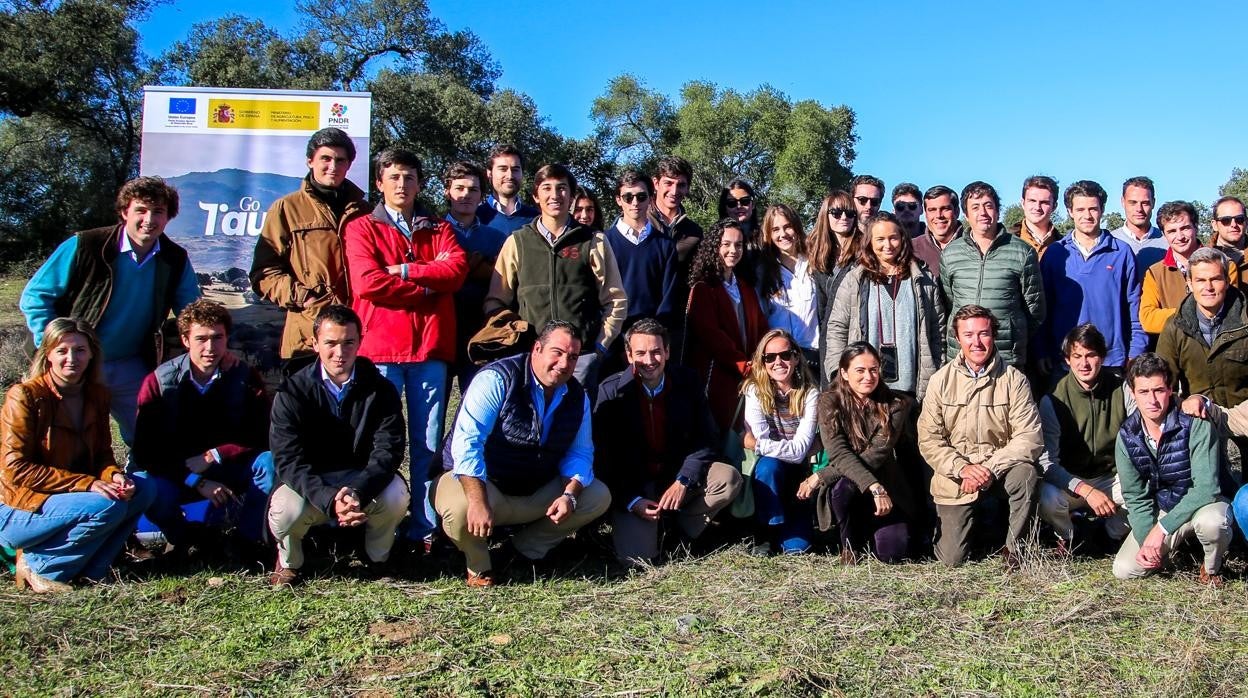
(231, 154)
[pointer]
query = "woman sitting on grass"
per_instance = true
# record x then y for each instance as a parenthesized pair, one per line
(64, 505)
(780, 401)
(870, 441)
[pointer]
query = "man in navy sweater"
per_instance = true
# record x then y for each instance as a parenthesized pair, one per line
(646, 258)
(505, 209)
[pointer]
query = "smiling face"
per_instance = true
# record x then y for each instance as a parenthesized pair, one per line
(731, 247)
(886, 242)
(1038, 205)
(862, 375)
(329, 165)
(981, 215)
(671, 191)
(554, 359)
(68, 360)
(337, 346)
(1085, 364)
(975, 336)
(1181, 235)
(554, 197)
(941, 214)
(783, 234)
(144, 222)
(584, 211)
(506, 175)
(634, 203)
(399, 186)
(843, 219)
(780, 357)
(648, 357)
(1085, 212)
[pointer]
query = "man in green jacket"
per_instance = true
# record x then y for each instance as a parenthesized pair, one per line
(996, 270)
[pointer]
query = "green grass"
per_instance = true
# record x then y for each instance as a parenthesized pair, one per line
(10, 290)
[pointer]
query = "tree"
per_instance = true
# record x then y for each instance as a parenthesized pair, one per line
(1237, 185)
(1113, 221)
(1012, 216)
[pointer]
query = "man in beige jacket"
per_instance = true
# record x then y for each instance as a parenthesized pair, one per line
(980, 433)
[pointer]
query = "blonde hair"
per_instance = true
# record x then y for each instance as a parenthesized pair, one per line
(765, 389)
(54, 334)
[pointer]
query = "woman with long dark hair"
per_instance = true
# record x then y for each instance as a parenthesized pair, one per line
(869, 438)
(725, 319)
(586, 210)
(65, 506)
(832, 247)
(781, 428)
(739, 202)
(785, 282)
(891, 301)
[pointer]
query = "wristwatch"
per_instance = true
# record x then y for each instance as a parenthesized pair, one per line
(571, 498)
(684, 480)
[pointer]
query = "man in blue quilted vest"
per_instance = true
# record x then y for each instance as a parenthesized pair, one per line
(521, 453)
(1170, 469)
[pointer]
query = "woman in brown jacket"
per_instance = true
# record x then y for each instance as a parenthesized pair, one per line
(869, 438)
(64, 505)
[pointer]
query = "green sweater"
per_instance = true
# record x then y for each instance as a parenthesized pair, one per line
(1142, 511)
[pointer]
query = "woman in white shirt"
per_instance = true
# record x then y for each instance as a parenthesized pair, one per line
(786, 283)
(781, 428)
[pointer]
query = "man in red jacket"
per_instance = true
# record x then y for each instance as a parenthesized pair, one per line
(405, 266)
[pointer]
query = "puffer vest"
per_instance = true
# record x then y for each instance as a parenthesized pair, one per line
(1169, 472)
(516, 460)
(556, 282)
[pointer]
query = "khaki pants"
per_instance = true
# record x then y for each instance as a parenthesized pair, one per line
(1211, 524)
(638, 539)
(1017, 486)
(291, 517)
(1056, 503)
(534, 540)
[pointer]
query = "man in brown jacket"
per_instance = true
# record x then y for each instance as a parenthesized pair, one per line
(980, 433)
(299, 264)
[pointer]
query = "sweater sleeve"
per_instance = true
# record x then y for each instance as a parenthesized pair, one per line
(188, 289)
(1205, 460)
(1141, 509)
(669, 305)
(46, 287)
(502, 293)
(796, 449)
(1050, 457)
(1152, 316)
(610, 290)
(1139, 340)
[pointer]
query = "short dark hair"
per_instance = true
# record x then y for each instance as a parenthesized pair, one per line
(503, 149)
(1085, 187)
(554, 171)
(1087, 336)
(633, 178)
(331, 138)
(1147, 365)
(553, 326)
(978, 188)
(398, 156)
(151, 190)
(205, 313)
(938, 191)
(972, 311)
(338, 315)
(1041, 182)
(1143, 182)
(673, 166)
(906, 189)
(463, 169)
(1173, 209)
(866, 179)
(648, 326)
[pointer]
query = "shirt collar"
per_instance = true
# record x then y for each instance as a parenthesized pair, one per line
(127, 248)
(494, 204)
(203, 387)
(455, 225)
(334, 390)
(546, 232)
(658, 389)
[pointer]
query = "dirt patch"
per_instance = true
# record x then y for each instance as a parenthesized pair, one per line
(398, 632)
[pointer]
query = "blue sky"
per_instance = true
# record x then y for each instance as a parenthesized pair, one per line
(943, 95)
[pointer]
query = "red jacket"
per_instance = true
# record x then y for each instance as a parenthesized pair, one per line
(713, 346)
(405, 320)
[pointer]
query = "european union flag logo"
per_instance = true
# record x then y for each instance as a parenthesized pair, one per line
(181, 105)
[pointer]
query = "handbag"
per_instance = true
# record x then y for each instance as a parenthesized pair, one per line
(744, 460)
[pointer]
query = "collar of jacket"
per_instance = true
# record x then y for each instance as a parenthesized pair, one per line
(348, 191)
(1103, 241)
(994, 370)
(1002, 238)
(1234, 319)
(1106, 384)
(420, 218)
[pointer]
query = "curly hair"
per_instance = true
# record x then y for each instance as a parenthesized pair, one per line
(707, 266)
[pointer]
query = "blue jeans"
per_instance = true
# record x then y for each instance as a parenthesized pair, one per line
(260, 477)
(423, 385)
(776, 505)
(75, 534)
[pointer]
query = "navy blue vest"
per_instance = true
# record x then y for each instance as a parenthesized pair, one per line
(1169, 473)
(515, 459)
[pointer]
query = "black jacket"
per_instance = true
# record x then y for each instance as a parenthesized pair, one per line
(310, 441)
(620, 450)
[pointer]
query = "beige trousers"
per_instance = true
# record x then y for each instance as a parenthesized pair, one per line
(1056, 503)
(1211, 524)
(291, 517)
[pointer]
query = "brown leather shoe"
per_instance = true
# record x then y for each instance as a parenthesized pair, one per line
(25, 578)
(481, 581)
(1211, 580)
(283, 576)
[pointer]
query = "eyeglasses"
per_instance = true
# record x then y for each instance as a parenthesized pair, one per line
(864, 200)
(785, 356)
(842, 213)
(743, 202)
(641, 197)
(905, 205)
(1237, 220)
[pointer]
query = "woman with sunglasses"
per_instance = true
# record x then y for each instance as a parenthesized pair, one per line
(65, 506)
(833, 249)
(738, 202)
(725, 319)
(781, 428)
(891, 301)
(869, 437)
(786, 284)
(586, 210)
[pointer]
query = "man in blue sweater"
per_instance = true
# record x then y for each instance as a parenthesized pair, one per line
(1090, 276)
(505, 209)
(124, 279)
(646, 258)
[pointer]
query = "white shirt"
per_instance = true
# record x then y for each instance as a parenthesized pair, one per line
(634, 236)
(127, 248)
(794, 307)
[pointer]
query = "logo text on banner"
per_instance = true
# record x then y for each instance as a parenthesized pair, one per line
(263, 114)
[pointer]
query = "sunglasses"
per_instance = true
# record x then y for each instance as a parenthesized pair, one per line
(906, 206)
(785, 356)
(842, 213)
(1237, 220)
(641, 197)
(864, 200)
(743, 202)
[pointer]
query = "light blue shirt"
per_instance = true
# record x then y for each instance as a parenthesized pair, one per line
(338, 393)
(479, 411)
(127, 248)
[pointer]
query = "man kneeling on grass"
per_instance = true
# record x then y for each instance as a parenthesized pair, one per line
(337, 436)
(1170, 468)
(521, 452)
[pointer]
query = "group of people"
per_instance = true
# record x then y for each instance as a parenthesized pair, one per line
(884, 376)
